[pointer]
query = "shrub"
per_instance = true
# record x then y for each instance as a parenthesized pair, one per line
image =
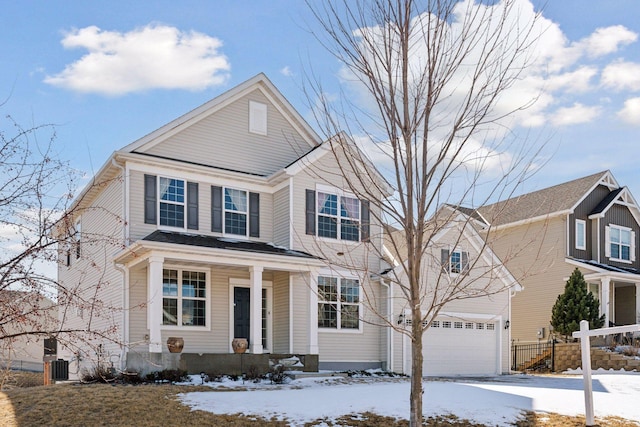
(253, 374)
(99, 374)
(277, 374)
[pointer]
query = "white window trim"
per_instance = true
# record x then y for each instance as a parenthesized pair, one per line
(583, 223)
(159, 201)
(321, 188)
(451, 252)
(208, 314)
(245, 283)
(338, 329)
(225, 210)
(631, 244)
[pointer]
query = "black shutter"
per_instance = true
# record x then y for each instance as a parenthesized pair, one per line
(254, 215)
(311, 212)
(150, 203)
(192, 205)
(216, 209)
(365, 226)
(465, 261)
(444, 260)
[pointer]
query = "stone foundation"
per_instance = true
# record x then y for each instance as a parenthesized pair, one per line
(569, 356)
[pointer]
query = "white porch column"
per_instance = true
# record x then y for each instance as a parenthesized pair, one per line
(605, 303)
(313, 312)
(154, 306)
(255, 331)
(638, 303)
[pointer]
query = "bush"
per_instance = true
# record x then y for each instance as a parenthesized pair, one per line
(277, 374)
(253, 374)
(98, 374)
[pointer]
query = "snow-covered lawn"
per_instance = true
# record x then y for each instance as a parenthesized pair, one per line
(492, 401)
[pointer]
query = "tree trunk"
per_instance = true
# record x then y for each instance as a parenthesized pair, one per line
(415, 417)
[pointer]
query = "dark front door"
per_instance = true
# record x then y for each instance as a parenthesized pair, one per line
(241, 312)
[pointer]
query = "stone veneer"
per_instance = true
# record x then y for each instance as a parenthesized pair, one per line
(568, 356)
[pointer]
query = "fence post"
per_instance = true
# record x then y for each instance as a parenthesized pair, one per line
(514, 362)
(47, 373)
(553, 355)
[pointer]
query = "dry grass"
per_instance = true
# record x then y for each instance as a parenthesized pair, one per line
(157, 405)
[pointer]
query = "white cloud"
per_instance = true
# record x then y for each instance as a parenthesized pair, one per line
(621, 76)
(286, 71)
(152, 57)
(630, 113)
(607, 40)
(575, 114)
(573, 81)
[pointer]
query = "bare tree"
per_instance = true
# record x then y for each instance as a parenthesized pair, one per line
(430, 100)
(37, 233)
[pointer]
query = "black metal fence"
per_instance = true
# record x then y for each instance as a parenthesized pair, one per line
(533, 357)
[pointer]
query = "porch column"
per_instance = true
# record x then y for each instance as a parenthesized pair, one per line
(154, 306)
(313, 312)
(604, 304)
(638, 303)
(255, 331)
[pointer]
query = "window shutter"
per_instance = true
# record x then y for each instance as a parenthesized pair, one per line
(150, 202)
(254, 215)
(216, 209)
(444, 260)
(633, 246)
(311, 212)
(365, 227)
(607, 242)
(465, 261)
(192, 205)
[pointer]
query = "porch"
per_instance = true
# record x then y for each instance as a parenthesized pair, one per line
(209, 291)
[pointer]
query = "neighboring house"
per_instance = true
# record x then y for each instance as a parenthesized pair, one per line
(231, 221)
(470, 334)
(25, 318)
(591, 223)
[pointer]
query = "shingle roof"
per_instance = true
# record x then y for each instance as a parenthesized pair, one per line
(223, 243)
(558, 198)
(606, 201)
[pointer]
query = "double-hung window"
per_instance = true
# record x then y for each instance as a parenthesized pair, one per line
(172, 202)
(338, 303)
(454, 261)
(235, 211)
(184, 297)
(620, 243)
(338, 217)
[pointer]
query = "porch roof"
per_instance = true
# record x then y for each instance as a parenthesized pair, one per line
(178, 238)
(201, 248)
(604, 268)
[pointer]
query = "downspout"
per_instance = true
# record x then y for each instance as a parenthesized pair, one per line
(125, 272)
(290, 277)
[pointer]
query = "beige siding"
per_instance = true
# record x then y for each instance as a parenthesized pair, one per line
(138, 229)
(534, 254)
(300, 305)
(223, 140)
(351, 346)
(281, 312)
(281, 217)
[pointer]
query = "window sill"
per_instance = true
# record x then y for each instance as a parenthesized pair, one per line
(623, 261)
(206, 328)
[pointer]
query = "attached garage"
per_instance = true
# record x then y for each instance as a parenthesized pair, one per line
(459, 347)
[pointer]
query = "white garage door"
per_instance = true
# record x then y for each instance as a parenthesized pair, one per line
(453, 347)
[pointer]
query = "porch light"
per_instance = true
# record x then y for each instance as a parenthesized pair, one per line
(506, 324)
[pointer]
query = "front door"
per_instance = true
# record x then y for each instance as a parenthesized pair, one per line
(241, 312)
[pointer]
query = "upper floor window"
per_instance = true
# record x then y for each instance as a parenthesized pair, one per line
(184, 297)
(620, 243)
(337, 216)
(581, 229)
(455, 261)
(235, 211)
(338, 303)
(172, 201)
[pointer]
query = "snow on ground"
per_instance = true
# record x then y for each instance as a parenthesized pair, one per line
(492, 401)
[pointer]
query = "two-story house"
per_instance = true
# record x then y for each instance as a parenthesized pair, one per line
(231, 221)
(591, 223)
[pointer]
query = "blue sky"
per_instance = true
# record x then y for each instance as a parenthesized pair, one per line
(166, 58)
